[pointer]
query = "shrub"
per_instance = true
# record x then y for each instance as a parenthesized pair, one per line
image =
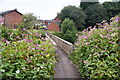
(96, 55)
(30, 58)
(69, 31)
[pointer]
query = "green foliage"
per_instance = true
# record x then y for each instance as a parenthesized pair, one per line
(84, 5)
(74, 13)
(95, 14)
(12, 35)
(68, 25)
(69, 30)
(29, 20)
(30, 58)
(112, 9)
(96, 54)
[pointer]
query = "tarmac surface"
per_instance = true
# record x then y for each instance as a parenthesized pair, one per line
(64, 68)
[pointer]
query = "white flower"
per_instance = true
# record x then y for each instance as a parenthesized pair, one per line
(18, 71)
(38, 69)
(23, 68)
(114, 34)
(101, 35)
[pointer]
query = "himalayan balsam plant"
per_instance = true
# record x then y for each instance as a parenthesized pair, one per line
(96, 53)
(27, 56)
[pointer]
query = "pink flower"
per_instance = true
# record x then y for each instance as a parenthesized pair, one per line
(87, 43)
(104, 24)
(33, 48)
(85, 62)
(26, 34)
(28, 48)
(86, 37)
(43, 43)
(23, 28)
(37, 48)
(41, 54)
(112, 42)
(44, 49)
(8, 33)
(17, 36)
(83, 44)
(85, 30)
(24, 39)
(108, 35)
(90, 27)
(37, 33)
(29, 41)
(40, 34)
(103, 51)
(28, 60)
(77, 44)
(110, 31)
(117, 19)
(96, 53)
(16, 50)
(114, 34)
(5, 40)
(38, 45)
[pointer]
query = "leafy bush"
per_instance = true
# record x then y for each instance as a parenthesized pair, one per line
(12, 34)
(96, 55)
(32, 57)
(69, 31)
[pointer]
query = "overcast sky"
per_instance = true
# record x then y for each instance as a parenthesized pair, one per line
(46, 9)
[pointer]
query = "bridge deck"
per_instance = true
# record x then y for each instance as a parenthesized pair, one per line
(64, 68)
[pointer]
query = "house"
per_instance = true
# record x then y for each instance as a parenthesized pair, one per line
(54, 25)
(47, 22)
(10, 18)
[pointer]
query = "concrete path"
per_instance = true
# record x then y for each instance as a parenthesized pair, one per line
(64, 68)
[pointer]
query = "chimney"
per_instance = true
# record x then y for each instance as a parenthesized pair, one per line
(15, 9)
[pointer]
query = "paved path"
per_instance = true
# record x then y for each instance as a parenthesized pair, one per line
(64, 68)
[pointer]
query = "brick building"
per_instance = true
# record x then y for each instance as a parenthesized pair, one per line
(11, 18)
(54, 25)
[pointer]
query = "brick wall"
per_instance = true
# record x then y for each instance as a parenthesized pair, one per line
(53, 27)
(12, 18)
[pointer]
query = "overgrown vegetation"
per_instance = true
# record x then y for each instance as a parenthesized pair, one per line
(96, 53)
(68, 32)
(26, 55)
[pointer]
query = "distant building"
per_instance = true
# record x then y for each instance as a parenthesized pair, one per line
(10, 18)
(47, 22)
(54, 25)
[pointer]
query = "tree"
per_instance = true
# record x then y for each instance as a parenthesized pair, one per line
(74, 13)
(84, 4)
(69, 30)
(68, 24)
(95, 14)
(112, 9)
(29, 20)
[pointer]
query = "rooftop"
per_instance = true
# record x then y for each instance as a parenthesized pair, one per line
(3, 13)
